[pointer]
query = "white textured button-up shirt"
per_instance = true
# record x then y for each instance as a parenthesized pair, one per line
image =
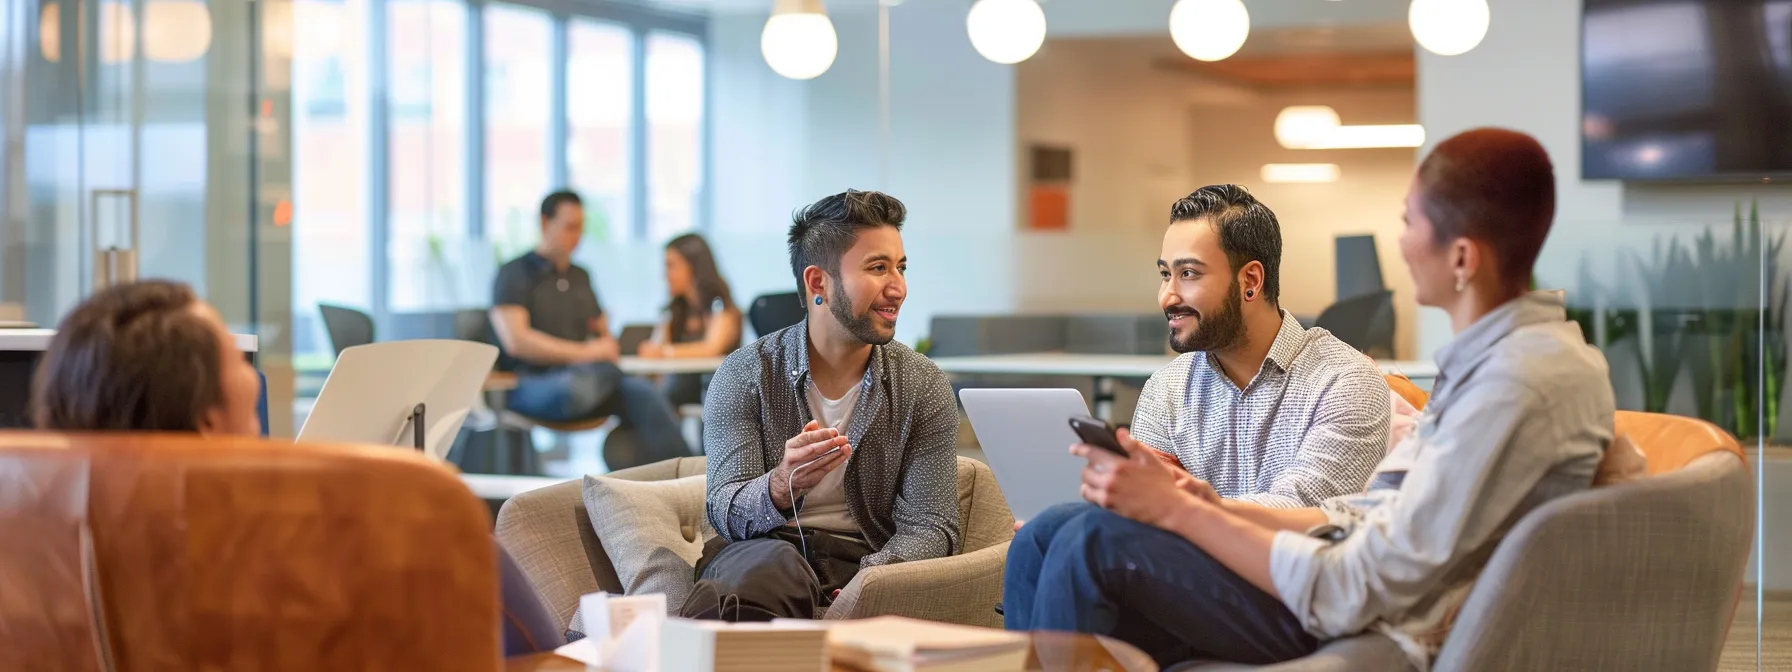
(1311, 425)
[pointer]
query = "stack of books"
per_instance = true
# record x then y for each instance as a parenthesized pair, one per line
(715, 646)
(896, 644)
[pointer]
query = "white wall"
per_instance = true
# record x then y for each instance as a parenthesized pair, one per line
(1143, 137)
(780, 144)
(1526, 76)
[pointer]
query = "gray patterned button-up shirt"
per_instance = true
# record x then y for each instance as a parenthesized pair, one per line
(1311, 425)
(902, 479)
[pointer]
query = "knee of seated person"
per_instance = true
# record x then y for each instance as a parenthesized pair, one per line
(770, 555)
(1101, 529)
(1043, 526)
(637, 386)
(1058, 514)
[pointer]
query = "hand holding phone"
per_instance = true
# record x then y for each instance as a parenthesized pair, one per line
(1097, 433)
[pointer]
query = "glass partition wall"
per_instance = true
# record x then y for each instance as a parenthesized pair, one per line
(427, 132)
(1690, 309)
(136, 143)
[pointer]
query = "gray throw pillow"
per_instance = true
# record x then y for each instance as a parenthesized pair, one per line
(653, 532)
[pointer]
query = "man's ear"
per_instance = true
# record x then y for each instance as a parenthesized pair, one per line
(814, 283)
(1250, 280)
(211, 421)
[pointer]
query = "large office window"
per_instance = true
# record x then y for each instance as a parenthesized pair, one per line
(600, 67)
(426, 165)
(518, 119)
(675, 103)
(330, 157)
(426, 132)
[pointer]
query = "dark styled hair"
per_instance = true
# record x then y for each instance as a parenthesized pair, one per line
(1494, 186)
(711, 288)
(822, 232)
(550, 206)
(1248, 230)
(133, 357)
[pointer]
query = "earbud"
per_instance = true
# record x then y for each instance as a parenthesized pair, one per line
(817, 300)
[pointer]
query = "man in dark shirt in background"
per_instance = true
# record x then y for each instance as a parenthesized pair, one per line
(557, 339)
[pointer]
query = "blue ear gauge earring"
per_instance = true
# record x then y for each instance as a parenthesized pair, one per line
(817, 300)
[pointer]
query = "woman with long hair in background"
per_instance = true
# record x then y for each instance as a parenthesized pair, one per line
(701, 319)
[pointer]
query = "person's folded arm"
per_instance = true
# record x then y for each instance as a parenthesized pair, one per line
(1474, 468)
(719, 338)
(1347, 438)
(511, 325)
(739, 502)
(926, 510)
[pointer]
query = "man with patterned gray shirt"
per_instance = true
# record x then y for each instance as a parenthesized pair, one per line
(831, 447)
(1257, 409)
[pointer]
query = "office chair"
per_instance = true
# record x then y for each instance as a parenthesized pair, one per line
(772, 312)
(347, 327)
(1365, 322)
(1358, 265)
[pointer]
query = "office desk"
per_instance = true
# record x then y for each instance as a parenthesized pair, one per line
(1104, 369)
(643, 366)
(20, 350)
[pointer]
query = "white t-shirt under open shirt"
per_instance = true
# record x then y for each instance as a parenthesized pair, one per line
(824, 508)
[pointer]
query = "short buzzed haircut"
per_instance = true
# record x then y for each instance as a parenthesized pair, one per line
(822, 232)
(1494, 186)
(1248, 230)
(550, 206)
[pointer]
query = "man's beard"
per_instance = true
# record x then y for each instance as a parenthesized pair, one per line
(860, 326)
(1215, 331)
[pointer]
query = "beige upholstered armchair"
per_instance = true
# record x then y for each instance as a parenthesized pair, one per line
(550, 534)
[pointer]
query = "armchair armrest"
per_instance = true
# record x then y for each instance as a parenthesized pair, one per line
(963, 589)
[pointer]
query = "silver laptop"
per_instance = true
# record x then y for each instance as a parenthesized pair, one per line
(1026, 436)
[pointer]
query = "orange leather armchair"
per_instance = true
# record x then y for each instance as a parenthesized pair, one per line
(141, 552)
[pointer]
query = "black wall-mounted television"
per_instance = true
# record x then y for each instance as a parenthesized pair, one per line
(1693, 90)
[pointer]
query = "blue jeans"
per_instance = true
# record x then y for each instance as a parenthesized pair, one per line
(648, 432)
(1081, 568)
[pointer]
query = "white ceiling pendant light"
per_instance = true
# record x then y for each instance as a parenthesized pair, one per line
(1300, 173)
(1300, 126)
(1448, 27)
(799, 41)
(1209, 30)
(49, 32)
(177, 31)
(1006, 31)
(1318, 127)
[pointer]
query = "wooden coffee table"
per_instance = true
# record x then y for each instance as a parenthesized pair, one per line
(1052, 651)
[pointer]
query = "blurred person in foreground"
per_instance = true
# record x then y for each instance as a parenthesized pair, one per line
(1522, 414)
(152, 357)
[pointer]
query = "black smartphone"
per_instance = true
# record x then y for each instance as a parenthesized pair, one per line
(1097, 433)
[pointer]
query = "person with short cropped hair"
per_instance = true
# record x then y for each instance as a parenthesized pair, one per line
(831, 446)
(556, 337)
(1521, 415)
